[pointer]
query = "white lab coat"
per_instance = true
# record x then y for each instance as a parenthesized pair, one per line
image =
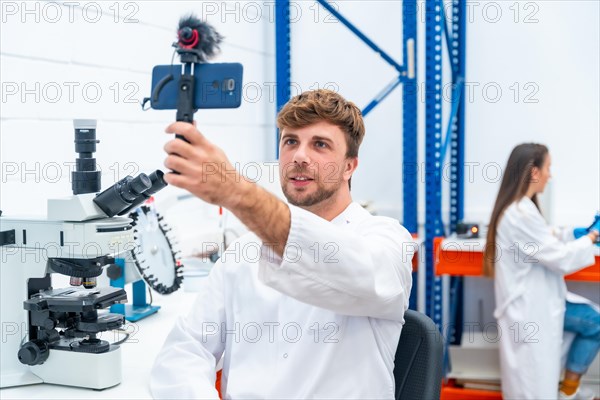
(324, 322)
(530, 293)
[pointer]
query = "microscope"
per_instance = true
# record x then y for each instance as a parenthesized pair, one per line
(55, 335)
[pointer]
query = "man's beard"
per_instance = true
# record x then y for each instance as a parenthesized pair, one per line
(320, 195)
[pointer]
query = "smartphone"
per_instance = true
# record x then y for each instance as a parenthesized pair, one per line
(217, 85)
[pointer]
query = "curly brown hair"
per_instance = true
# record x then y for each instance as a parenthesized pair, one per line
(324, 105)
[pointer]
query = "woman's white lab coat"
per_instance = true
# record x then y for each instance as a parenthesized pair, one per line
(530, 293)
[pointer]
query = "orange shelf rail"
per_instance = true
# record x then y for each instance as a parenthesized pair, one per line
(591, 273)
(451, 392)
(470, 263)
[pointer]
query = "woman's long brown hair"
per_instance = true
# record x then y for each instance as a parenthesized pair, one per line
(515, 183)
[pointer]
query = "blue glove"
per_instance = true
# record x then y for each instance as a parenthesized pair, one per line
(595, 226)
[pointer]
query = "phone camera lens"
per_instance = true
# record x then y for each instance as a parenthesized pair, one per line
(229, 85)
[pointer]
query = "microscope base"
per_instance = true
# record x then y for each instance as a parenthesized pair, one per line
(94, 371)
(20, 378)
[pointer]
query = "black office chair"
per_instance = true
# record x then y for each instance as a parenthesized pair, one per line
(419, 359)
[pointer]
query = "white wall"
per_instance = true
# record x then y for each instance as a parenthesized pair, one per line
(551, 46)
(548, 48)
(113, 46)
(558, 55)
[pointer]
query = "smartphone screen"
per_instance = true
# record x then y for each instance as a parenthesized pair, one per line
(217, 85)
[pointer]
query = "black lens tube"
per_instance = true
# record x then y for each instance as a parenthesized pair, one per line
(158, 183)
(122, 194)
(85, 178)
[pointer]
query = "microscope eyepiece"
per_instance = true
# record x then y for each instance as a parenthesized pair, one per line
(158, 182)
(85, 178)
(136, 186)
(122, 194)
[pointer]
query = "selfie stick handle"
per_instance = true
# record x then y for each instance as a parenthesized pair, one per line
(185, 101)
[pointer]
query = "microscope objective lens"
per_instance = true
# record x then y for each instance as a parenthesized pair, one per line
(89, 283)
(76, 281)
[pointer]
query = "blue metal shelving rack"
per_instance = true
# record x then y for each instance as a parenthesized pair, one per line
(410, 167)
(457, 51)
(433, 153)
(283, 73)
(410, 164)
(436, 28)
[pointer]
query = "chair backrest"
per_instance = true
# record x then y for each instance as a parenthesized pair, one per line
(419, 359)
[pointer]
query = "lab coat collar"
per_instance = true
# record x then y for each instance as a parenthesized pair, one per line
(352, 213)
(526, 201)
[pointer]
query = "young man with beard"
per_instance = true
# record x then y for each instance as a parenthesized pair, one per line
(318, 312)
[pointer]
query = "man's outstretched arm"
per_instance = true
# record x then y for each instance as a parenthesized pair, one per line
(204, 170)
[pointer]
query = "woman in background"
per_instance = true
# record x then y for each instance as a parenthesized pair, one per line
(529, 261)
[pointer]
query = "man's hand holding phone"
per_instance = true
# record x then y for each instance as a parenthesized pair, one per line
(203, 168)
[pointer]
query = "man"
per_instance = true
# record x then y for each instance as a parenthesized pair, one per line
(310, 304)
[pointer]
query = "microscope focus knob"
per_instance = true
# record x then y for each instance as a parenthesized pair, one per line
(33, 352)
(114, 271)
